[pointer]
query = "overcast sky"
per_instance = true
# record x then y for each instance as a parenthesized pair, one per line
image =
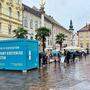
(64, 10)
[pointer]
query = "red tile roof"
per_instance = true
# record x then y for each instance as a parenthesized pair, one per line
(85, 28)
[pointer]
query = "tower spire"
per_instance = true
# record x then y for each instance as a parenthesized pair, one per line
(71, 26)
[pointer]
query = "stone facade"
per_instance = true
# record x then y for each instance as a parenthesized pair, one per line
(10, 17)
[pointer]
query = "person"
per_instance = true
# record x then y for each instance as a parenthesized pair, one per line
(54, 57)
(59, 57)
(44, 59)
(40, 58)
(85, 54)
(73, 57)
(67, 58)
(65, 52)
(78, 55)
(87, 49)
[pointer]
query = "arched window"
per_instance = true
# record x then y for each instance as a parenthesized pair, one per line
(0, 8)
(87, 45)
(18, 1)
(36, 24)
(18, 15)
(25, 22)
(10, 11)
(31, 24)
(9, 28)
(0, 27)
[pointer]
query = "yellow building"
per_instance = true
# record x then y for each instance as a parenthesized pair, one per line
(10, 17)
(84, 37)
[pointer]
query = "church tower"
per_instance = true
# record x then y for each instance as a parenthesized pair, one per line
(71, 26)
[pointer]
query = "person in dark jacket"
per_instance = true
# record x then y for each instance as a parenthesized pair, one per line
(40, 60)
(59, 57)
(65, 52)
(67, 58)
(44, 59)
(85, 54)
(74, 56)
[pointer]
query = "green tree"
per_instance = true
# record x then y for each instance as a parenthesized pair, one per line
(20, 33)
(60, 38)
(41, 35)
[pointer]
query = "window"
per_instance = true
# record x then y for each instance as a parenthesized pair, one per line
(48, 41)
(87, 45)
(0, 8)
(10, 11)
(0, 27)
(31, 24)
(39, 23)
(18, 15)
(81, 45)
(36, 24)
(25, 22)
(9, 28)
(18, 1)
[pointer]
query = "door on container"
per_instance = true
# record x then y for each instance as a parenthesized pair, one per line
(33, 55)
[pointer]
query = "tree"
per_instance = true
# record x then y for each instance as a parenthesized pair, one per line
(20, 33)
(41, 35)
(60, 38)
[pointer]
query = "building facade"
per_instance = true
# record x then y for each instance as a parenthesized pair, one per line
(32, 21)
(75, 39)
(10, 17)
(68, 33)
(60, 29)
(84, 37)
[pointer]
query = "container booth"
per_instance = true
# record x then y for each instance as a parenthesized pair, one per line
(19, 54)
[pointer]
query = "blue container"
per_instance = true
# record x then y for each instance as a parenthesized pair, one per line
(19, 54)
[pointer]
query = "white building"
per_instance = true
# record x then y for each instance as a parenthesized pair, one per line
(75, 39)
(32, 21)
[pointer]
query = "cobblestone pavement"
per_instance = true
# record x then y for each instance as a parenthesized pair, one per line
(73, 77)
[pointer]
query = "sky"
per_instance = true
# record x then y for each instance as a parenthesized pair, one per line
(65, 10)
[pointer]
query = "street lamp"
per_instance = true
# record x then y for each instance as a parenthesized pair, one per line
(42, 6)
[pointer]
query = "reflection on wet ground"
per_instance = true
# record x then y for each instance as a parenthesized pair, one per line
(73, 77)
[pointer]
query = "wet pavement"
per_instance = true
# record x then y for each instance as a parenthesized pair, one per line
(73, 77)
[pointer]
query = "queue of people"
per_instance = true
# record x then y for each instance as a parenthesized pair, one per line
(45, 58)
(71, 56)
(56, 56)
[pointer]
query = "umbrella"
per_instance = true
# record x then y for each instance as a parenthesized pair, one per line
(73, 48)
(55, 52)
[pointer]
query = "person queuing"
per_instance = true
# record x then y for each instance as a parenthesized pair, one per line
(74, 56)
(44, 60)
(56, 56)
(67, 58)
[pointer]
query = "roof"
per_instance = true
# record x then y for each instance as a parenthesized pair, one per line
(37, 13)
(31, 10)
(85, 28)
(34, 11)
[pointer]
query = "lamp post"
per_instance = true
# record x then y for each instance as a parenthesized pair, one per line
(42, 6)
